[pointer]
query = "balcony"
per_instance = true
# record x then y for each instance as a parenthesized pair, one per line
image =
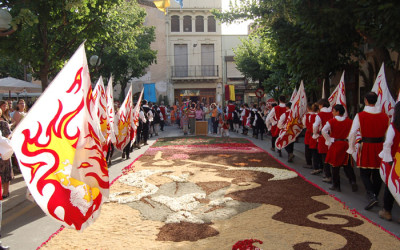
(197, 71)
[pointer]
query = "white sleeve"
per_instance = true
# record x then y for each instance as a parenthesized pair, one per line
(270, 118)
(386, 153)
(325, 133)
(316, 125)
(353, 134)
(304, 120)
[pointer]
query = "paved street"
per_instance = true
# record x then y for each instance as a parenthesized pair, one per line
(25, 226)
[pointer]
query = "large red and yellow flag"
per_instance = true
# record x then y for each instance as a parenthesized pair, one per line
(293, 125)
(385, 100)
(59, 151)
(110, 111)
(135, 115)
(123, 121)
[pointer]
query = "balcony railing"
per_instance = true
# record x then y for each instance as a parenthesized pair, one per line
(195, 71)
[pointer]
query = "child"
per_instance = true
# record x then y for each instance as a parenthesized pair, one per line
(225, 129)
(220, 123)
(185, 123)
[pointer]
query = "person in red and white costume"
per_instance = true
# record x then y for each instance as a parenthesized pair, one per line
(324, 115)
(164, 116)
(230, 108)
(282, 124)
(335, 132)
(272, 121)
(390, 147)
(372, 125)
(243, 117)
(308, 120)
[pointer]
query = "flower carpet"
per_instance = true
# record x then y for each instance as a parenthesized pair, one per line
(212, 193)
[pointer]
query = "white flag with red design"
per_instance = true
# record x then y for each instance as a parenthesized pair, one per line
(341, 95)
(385, 100)
(123, 121)
(110, 111)
(59, 151)
(293, 94)
(293, 125)
(393, 177)
(135, 115)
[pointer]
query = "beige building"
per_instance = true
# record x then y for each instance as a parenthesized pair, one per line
(194, 51)
(194, 60)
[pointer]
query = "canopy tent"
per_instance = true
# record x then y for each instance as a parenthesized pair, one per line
(10, 84)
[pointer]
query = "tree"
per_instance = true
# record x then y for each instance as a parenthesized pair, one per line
(63, 25)
(252, 59)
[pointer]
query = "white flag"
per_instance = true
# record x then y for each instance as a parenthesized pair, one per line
(110, 111)
(293, 125)
(341, 95)
(123, 122)
(58, 148)
(135, 115)
(385, 100)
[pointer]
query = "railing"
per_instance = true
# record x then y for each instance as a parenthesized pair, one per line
(195, 71)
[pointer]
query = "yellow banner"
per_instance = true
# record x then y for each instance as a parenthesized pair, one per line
(232, 92)
(162, 5)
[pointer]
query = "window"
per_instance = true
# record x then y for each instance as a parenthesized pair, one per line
(187, 24)
(207, 60)
(180, 60)
(175, 24)
(199, 24)
(211, 24)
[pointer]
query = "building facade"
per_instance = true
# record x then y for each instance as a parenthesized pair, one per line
(194, 51)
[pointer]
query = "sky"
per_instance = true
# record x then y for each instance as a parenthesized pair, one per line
(234, 29)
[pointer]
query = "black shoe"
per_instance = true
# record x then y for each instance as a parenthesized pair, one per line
(354, 187)
(123, 156)
(145, 144)
(373, 202)
(5, 196)
(273, 149)
(335, 188)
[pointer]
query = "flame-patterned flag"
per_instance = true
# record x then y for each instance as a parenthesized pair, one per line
(341, 95)
(123, 121)
(59, 150)
(135, 115)
(393, 180)
(385, 100)
(293, 94)
(333, 97)
(110, 111)
(293, 122)
(100, 109)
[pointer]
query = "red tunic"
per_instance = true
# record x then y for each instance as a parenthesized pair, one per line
(371, 126)
(278, 112)
(340, 130)
(162, 109)
(231, 109)
(246, 114)
(324, 116)
(312, 143)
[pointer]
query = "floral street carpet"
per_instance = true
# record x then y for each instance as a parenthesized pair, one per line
(209, 193)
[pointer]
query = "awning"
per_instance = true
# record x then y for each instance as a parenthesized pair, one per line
(10, 84)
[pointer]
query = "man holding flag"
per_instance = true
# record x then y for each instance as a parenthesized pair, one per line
(372, 125)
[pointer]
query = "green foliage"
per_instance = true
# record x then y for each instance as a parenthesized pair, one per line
(113, 29)
(314, 39)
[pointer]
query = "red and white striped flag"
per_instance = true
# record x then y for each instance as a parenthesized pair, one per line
(293, 125)
(59, 151)
(385, 100)
(123, 121)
